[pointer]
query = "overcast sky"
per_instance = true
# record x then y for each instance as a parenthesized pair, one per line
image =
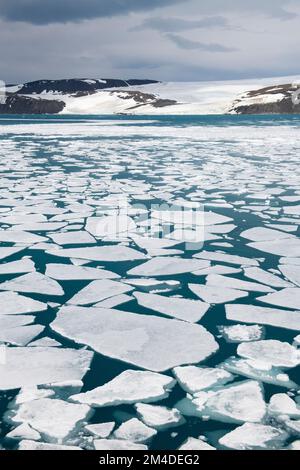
(160, 39)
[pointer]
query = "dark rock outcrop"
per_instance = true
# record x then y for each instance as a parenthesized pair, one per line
(17, 104)
(285, 105)
(76, 85)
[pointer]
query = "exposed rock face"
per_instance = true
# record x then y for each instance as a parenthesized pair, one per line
(144, 98)
(77, 85)
(269, 100)
(18, 104)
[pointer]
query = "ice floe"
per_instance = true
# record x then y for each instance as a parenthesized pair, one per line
(54, 419)
(69, 272)
(273, 352)
(159, 417)
(241, 333)
(291, 272)
(134, 430)
(251, 436)
(182, 309)
(35, 283)
(258, 370)
(99, 290)
(232, 283)
(264, 316)
(288, 298)
(117, 444)
(194, 379)
(144, 342)
(101, 430)
(13, 304)
(219, 295)
(195, 444)
(167, 266)
(110, 253)
(35, 366)
(129, 387)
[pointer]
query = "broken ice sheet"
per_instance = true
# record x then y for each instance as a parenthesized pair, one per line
(117, 444)
(292, 273)
(7, 251)
(235, 403)
(34, 366)
(273, 352)
(35, 283)
(21, 266)
(283, 404)
(183, 309)
(14, 304)
(69, 272)
(258, 234)
(241, 333)
(129, 387)
(159, 417)
(263, 316)
(288, 298)
(195, 444)
(233, 283)
(153, 285)
(266, 277)
(251, 436)
(144, 339)
(258, 370)
(99, 290)
(194, 379)
(20, 336)
(134, 430)
(213, 295)
(26, 238)
(111, 253)
(167, 266)
(73, 238)
(54, 419)
(225, 258)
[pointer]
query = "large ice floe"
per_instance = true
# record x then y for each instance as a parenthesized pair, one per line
(134, 338)
(150, 274)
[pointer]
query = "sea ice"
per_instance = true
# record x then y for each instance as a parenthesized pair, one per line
(69, 272)
(32, 445)
(183, 309)
(282, 404)
(167, 266)
(35, 366)
(253, 436)
(20, 336)
(213, 295)
(225, 258)
(144, 340)
(117, 444)
(273, 352)
(286, 247)
(24, 431)
(266, 277)
(291, 272)
(101, 430)
(111, 253)
(134, 430)
(73, 238)
(13, 304)
(288, 298)
(25, 238)
(129, 387)
(36, 283)
(261, 234)
(195, 444)
(232, 283)
(264, 316)
(7, 251)
(159, 417)
(235, 403)
(21, 266)
(194, 379)
(54, 419)
(258, 370)
(99, 290)
(241, 333)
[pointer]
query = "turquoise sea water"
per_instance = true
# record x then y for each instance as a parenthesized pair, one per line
(236, 166)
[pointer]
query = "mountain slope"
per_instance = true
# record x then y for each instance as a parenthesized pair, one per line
(149, 97)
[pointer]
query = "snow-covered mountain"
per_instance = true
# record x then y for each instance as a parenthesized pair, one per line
(149, 97)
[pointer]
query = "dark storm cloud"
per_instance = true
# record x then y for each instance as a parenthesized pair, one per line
(62, 11)
(169, 25)
(187, 44)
